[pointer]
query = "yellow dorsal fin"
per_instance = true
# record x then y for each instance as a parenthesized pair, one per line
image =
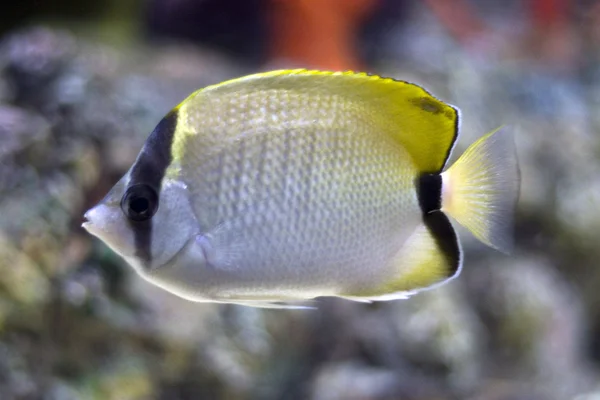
(425, 126)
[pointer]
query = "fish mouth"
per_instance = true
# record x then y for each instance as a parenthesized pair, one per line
(87, 223)
(90, 222)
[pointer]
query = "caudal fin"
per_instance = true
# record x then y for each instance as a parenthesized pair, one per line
(481, 189)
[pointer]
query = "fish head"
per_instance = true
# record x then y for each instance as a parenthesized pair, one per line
(145, 226)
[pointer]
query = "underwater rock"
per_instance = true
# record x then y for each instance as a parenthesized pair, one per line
(438, 330)
(351, 381)
(536, 324)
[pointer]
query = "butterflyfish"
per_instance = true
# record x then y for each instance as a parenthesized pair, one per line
(279, 187)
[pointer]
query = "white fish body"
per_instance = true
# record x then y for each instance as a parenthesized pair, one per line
(292, 185)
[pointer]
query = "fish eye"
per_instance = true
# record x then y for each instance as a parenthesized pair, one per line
(140, 202)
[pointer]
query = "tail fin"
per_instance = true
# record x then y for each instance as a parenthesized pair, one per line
(481, 189)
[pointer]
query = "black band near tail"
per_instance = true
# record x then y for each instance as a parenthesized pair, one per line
(429, 192)
(446, 238)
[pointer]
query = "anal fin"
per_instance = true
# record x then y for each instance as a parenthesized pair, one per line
(429, 257)
(277, 304)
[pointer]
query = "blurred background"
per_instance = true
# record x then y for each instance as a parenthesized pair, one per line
(83, 83)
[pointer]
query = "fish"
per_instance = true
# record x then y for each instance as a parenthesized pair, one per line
(278, 188)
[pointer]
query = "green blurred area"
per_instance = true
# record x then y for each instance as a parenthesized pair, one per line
(111, 20)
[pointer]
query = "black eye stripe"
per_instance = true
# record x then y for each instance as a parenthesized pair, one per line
(155, 157)
(149, 169)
